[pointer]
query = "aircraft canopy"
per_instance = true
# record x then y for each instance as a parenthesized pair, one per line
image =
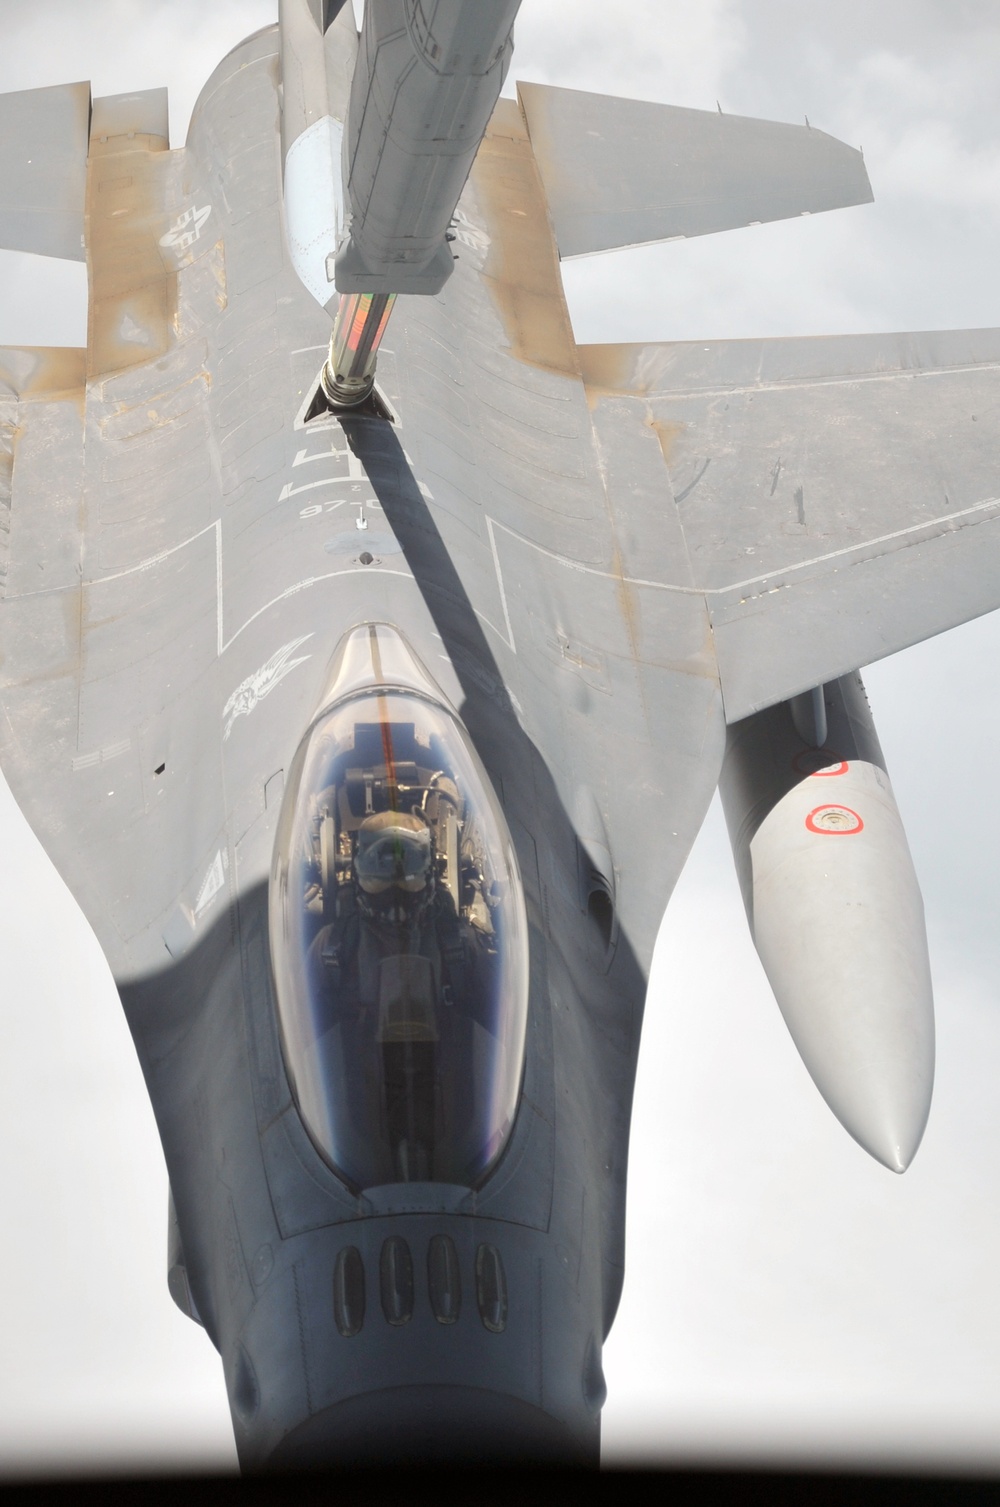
(399, 942)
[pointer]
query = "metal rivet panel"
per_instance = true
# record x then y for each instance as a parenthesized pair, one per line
(396, 1280)
(349, 1291)
(491, 1288)
(444, 1280)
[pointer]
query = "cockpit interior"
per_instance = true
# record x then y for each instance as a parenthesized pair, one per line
(399, 945)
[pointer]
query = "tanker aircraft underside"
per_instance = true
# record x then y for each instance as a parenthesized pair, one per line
(395, 613)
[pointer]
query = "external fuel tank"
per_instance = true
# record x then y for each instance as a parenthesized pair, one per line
(835, 909)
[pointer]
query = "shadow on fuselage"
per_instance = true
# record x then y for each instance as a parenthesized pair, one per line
(596, 1066)
(241, 1162)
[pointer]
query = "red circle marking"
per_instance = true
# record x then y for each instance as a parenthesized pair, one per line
(831, 764)
(834, 821)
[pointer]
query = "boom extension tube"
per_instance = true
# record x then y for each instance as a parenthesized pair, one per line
(349, 374)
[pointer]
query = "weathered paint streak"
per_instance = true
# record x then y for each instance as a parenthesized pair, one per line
(667, 434)
(132, 294)
(522, 268)
(638, 370)
(43, 372)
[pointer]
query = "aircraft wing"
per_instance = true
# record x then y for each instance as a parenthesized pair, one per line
(839, 497)
(623, 172)
(162, 500)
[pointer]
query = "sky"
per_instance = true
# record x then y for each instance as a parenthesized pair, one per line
(786, 1298)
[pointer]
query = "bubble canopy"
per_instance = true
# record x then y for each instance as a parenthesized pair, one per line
(398, 934)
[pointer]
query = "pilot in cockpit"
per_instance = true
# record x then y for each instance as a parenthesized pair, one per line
(394, 869)
(395, 940)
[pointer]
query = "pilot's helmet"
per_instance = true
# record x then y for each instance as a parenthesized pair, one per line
(393, 866)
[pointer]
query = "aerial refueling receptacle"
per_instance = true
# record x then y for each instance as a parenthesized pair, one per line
(835, 909)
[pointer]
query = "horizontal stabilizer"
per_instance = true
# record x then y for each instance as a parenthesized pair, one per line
(620, 172)
(44, 135)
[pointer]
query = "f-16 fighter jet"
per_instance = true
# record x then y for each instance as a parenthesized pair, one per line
(417, 639)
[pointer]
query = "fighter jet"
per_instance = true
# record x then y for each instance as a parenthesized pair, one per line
(356, 620)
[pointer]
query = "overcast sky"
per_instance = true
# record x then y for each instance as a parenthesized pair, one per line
(786, 1297)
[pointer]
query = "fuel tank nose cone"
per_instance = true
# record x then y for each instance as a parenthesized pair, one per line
(892, 1137)
(839, 926)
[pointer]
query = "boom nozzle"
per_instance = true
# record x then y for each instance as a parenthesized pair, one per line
(349, 374)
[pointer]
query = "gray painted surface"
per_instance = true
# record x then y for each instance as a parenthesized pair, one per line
(43, 169)
(187, 560)
(425, 86)
(850, 479)
(835, 910)
(619, 172)
(202, 559)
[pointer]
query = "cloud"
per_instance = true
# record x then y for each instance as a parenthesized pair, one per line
(121, 45)
(686, 50)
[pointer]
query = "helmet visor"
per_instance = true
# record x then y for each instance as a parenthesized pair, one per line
(394, 856)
